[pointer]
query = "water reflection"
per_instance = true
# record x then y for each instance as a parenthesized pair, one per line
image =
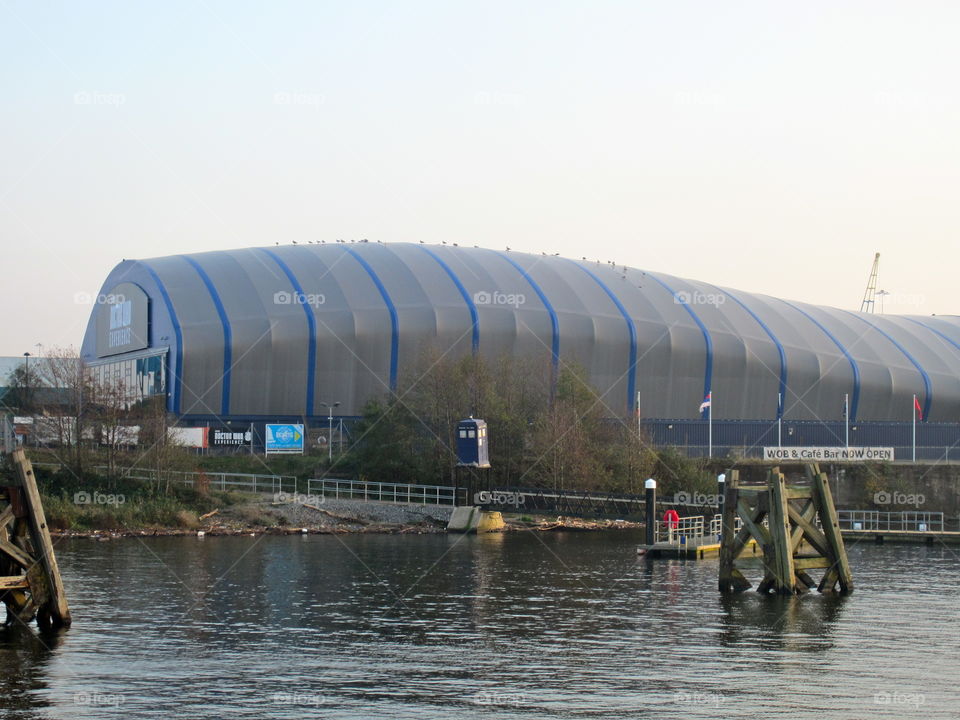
(518, 626)
(24, 659)
(796, 623)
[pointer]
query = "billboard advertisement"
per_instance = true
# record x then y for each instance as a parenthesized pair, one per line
(284, 439)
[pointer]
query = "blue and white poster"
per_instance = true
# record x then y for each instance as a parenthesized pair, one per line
(284, 439)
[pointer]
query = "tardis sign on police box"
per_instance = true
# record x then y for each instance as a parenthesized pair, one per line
(284, 439)
(828, 454)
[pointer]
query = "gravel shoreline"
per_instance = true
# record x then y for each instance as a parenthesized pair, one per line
(309, 515)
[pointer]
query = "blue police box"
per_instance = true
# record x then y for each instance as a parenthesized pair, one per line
(472, 445)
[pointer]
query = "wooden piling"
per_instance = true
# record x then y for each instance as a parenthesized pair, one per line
(791, 541)
(30, 582)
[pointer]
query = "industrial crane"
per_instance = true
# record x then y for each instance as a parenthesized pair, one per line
(870, 293)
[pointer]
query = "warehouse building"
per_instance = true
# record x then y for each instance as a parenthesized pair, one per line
(277, 333)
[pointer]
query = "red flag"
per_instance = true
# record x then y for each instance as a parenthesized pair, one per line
(916, 405)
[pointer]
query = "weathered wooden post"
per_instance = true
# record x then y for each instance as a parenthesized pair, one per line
(791, 541)
(30, 583)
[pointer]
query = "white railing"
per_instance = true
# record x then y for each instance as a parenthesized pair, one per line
(903, 521)
(239, 482)
(683, 531)
(381, 492)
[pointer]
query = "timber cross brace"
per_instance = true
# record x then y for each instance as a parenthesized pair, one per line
(791, 541)
(30, 584)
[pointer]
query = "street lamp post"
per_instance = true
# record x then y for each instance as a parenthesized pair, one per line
(330, 429)
(26, 379)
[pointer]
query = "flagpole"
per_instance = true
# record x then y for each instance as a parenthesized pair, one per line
(914, 409)
(710, 427)
(846, 417)
(779, 419)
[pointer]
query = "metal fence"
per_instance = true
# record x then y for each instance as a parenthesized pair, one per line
(329, 488)
(239, 482)
(904, 521)
(936, 442)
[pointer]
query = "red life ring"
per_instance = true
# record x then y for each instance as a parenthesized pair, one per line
(671, 518)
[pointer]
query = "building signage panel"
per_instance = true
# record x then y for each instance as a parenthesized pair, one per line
(828, 454)
(284, 439)
(122, 320)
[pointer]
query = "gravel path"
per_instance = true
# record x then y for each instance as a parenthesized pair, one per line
(369, 512)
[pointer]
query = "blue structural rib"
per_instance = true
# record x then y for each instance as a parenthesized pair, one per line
(394, 321)
(631, 328)
(932, 329)
(708, 341)
(177, 376)
(554, 322)
(227, 334)
(927, 385)
(776, 341)
(855, 401)
(471, 306)
(311, 328)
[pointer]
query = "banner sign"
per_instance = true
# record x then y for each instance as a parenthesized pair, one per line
(284, 439)
(828, 454)
(221, 438)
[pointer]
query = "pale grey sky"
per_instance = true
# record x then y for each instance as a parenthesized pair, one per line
(771, 147)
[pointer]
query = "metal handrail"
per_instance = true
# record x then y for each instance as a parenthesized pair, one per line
(891, 521)
(408, 494)
(249, 482)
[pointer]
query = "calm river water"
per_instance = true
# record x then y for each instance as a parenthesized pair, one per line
(520, 625)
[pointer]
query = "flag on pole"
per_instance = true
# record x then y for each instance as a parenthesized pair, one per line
(706, 402)
(843, 413)
(779, 404)
(916, 406)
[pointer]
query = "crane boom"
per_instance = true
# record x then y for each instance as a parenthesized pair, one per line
(870, 293)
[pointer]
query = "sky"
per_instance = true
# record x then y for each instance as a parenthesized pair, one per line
(768, 147)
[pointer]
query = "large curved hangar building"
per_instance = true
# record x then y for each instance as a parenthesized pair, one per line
(275, 332)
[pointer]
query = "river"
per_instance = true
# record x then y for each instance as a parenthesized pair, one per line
(518, 625)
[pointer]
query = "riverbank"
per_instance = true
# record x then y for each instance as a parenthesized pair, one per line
(256, 516)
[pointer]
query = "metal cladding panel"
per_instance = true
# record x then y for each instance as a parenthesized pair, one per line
(594, 334)
(202, 377)
(885, 373)
(366, 312)
(340, 373)
(929, 352)
(814, 364)
(451, 332)
(655, 380)
(271, 338)
(747, 370)
(690, 357)
(521, 328)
